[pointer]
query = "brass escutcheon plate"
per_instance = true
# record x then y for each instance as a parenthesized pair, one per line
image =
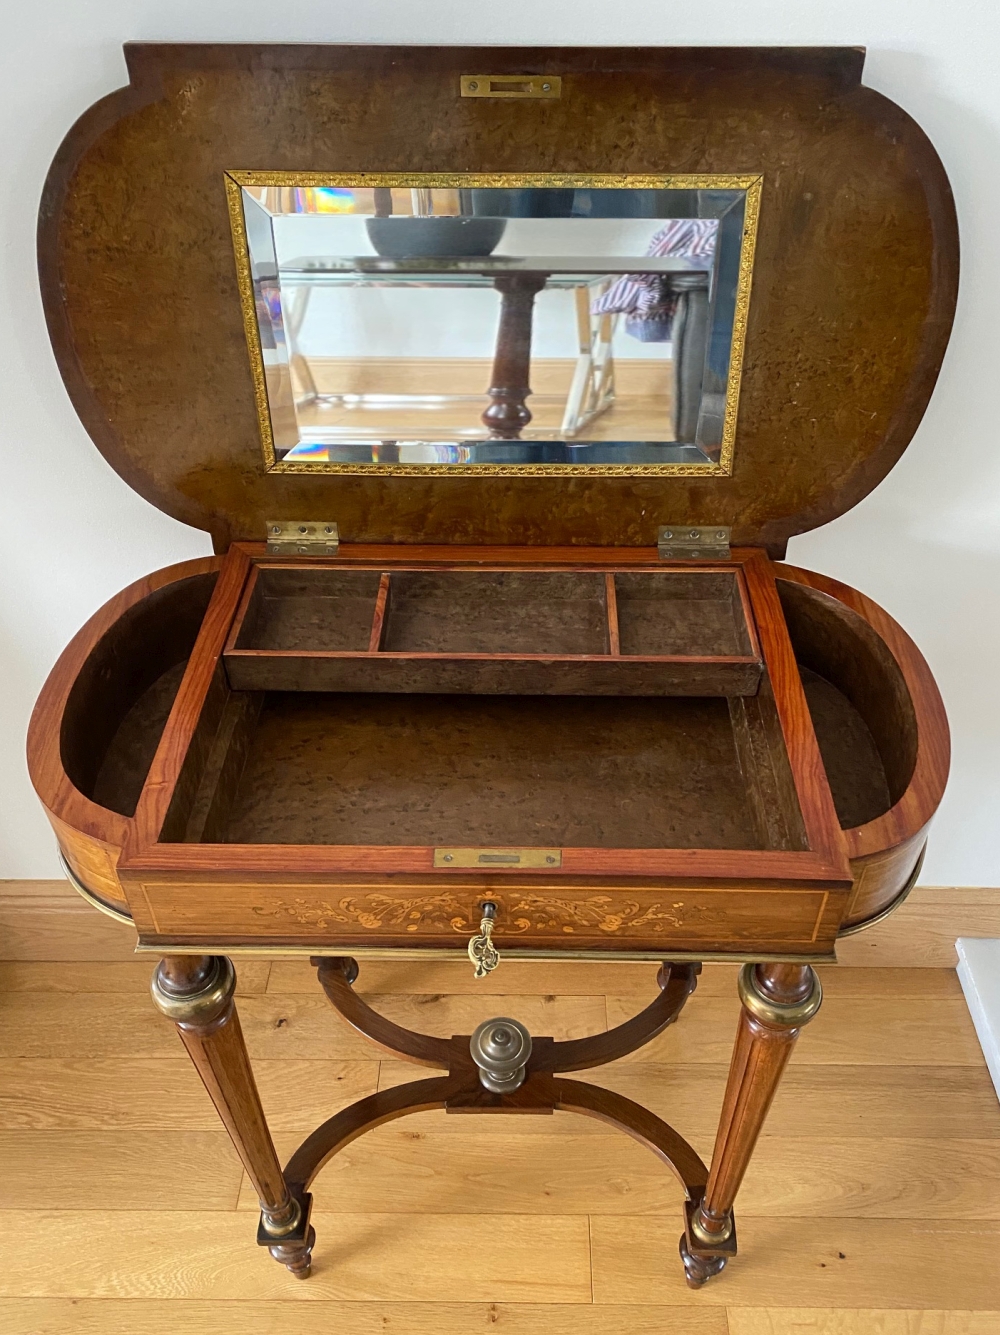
(497, 859)
(511, 85)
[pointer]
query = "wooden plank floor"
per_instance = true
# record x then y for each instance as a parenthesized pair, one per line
(871, 1208)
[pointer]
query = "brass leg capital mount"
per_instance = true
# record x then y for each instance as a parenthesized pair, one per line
(776, 1012)
(197, 996)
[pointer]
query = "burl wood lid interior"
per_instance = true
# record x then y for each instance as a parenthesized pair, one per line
(854, 280)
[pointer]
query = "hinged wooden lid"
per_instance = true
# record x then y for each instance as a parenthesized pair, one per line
(854, 283)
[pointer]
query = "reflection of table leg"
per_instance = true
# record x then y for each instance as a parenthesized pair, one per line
(507, 415)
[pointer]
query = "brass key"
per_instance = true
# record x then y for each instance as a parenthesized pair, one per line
(482, 951)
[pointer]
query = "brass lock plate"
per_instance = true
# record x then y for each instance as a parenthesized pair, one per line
(497, 859)
(511, 85)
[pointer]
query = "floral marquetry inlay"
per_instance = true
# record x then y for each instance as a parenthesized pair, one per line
(382, 911)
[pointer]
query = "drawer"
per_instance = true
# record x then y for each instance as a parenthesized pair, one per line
(546, 914)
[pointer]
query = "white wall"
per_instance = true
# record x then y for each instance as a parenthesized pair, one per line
(926, 544)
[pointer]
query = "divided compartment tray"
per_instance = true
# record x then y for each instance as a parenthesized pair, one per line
(494, 632)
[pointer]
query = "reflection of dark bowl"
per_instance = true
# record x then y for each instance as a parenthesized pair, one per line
(432, 238)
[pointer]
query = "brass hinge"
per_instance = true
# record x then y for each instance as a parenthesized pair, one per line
(682, 542)
(511, 85)
(302, 537)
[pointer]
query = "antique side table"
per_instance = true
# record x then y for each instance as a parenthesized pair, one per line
(563, 701)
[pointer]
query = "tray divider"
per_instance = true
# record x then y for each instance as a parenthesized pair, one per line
(611, 606)
(379, 617)
(741, 604)
(243, 610)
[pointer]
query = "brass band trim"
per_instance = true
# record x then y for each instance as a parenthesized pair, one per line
(89, 895)
(199, 1007)
(458, 953)
(277, 1229)
(893, 905)
(709, 1239)
(778, 1014)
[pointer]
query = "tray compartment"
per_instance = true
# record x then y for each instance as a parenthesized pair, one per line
(291, 608)
(679, 613)
(499, 632)
(497, 612)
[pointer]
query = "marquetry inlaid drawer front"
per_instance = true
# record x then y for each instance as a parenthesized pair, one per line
(550, 914)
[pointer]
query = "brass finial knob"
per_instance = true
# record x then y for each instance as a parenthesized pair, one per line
(501, 1048)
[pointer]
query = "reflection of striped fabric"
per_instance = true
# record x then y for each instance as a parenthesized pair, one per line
(645, 295)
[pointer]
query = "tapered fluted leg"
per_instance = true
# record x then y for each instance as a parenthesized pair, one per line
(778, 1000)
(196, 992)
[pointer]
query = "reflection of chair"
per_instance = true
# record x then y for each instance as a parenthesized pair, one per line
(593, 389)
(294, 320)
(690, 340)
(676, 311)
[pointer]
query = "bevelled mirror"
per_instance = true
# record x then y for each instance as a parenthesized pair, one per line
(465, 322)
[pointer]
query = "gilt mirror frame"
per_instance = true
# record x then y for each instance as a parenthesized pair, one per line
(750, 183)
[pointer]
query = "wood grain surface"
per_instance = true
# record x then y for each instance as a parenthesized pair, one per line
(152, 1316)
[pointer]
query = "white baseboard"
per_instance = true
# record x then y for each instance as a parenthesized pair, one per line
(979, 972)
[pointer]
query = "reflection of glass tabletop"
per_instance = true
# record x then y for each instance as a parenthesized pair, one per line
(498, 452)
(562, 270)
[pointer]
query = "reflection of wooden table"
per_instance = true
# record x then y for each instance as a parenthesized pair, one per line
(593, 386)
(510, 383)
(518, 281)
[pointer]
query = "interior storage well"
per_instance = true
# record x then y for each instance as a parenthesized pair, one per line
(340, 768)
(860, 705)
(410, 763)
(121, 699)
